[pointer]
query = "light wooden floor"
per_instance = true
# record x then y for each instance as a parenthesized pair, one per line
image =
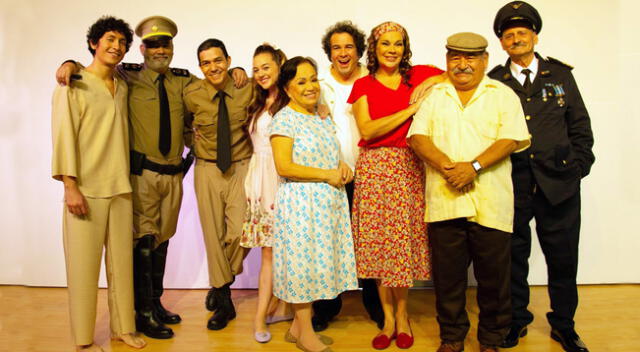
(36, 319)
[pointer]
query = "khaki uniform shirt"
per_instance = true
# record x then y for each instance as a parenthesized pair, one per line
(462, 133)
(202, 101)
(144, 111)
(91, 137)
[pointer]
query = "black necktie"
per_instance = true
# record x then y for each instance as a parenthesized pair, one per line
(164, 142)
(224, 135)
(527, 80)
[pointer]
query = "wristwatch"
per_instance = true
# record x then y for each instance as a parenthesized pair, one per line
(476, 166)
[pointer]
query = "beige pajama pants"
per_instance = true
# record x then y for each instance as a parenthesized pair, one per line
(221, 206)
(108, 225)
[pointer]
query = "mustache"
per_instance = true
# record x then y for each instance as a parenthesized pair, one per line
(466, 70)
(517, 44)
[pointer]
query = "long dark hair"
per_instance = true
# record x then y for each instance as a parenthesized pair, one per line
(260, 99)
(372, 58)
(287, 73)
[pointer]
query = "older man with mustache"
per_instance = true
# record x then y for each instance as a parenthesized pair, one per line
(546, 179)
(465, 131)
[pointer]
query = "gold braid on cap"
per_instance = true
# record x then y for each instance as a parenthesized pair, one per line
(387, 27)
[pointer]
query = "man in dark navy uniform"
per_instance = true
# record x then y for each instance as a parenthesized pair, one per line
(546, 179)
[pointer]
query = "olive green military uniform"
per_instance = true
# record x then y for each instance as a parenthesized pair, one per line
(156, 196)
(221, 196)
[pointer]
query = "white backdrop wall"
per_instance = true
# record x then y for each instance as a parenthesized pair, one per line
(598, 37)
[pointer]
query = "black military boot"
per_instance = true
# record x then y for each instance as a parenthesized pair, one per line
(159, 259)
(225, 311)
(146, 320)
(210, 301)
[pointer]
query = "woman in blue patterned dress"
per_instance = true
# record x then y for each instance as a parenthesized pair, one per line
(313, 255)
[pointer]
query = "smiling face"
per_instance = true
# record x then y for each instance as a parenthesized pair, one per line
(344, 54)
(214, 66)
(110, 49)
(265, 70)
(157, 56)
(304, 88)
(466, 70)
(519, 42)
(389, 50)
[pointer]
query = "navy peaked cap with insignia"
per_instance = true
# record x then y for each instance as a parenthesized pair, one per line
(517, 14)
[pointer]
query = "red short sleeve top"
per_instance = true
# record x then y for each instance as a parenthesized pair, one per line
(384, 101)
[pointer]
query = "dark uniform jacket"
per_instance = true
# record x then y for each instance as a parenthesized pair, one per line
(560, 153)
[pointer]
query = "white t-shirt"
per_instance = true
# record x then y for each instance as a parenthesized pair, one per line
(335, 95)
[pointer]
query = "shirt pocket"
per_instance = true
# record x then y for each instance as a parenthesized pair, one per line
(488, 129)
(142, 97)
(238, 118)
(206, 125)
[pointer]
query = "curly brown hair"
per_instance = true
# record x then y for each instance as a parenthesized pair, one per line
(107, 24)
(344, 27)
(372, 58)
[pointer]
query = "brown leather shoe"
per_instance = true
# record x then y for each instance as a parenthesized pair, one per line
(452, 346)
(487, 348)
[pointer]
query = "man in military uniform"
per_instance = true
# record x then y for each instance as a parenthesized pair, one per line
(157, 119)
(546, 179)
(222, 149)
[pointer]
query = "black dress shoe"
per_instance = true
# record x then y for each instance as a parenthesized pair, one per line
(210, 301)
(569, 339)
(319, 323)
(516, 332)
(220, 319)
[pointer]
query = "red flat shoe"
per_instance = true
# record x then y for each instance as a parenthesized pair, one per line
(405, 340)
(382, 341)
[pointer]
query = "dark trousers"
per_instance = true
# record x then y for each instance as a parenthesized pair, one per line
(558, 229)
(327, 309)
(454, 245)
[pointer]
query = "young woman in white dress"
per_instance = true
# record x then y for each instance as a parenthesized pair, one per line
(261, 184)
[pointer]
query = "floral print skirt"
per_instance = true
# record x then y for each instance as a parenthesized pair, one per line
(389, 232)
(260, 186)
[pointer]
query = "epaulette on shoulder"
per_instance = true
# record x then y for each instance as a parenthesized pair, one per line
(131, 67)
(558, 62)
(496, 70)
(182, 72)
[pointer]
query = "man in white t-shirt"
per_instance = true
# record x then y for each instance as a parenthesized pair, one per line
(344, 44)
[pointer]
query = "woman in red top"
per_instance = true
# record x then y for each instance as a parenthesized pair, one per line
(389, 231)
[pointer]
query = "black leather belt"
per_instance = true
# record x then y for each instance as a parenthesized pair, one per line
(208, 160)
(162, 169)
